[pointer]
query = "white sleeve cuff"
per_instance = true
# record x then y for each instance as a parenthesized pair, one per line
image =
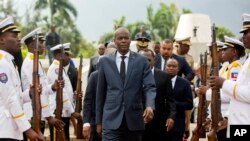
(86, 124)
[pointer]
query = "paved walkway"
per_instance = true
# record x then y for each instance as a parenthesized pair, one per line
(192, 126)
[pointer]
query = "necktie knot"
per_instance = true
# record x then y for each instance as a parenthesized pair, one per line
(123, 57)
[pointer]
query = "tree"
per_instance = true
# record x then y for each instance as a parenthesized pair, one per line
(58, 8)
(223, 31)
(161, 23)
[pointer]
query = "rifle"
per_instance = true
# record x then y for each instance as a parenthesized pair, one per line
(78, 107)
(215, 101)
(200, 131)
(36, 102)
(59, 135)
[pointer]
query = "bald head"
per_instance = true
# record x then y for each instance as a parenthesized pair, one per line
(121, 30)
(122, 40)
(101, 49)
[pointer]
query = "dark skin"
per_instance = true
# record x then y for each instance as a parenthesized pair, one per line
(166, 50)
(169, 122)
(217, 82)
(10, 42)
(65, 61)
(156, 48)
(58, 124)
(122, 41)
(183, 49)
(101, 49)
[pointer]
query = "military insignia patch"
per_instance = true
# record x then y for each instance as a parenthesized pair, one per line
(234, 75)
(57, 70)
(3, 77)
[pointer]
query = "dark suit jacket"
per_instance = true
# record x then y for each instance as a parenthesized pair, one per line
(184, 101)
(164, 101)
(93, 64)
(164, 107)
(114, 100)
(72, 73)
(184, 68)
(89, 99)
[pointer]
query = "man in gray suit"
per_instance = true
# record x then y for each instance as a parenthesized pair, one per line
(125, 80)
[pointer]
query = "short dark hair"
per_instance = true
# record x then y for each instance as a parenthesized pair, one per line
(167, 41)
(149, 50)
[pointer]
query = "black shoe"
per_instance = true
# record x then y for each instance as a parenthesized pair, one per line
(186, 134)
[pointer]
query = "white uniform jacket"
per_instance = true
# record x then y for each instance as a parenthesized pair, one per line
(26, 78)
(229, 72)
(68, 107)
(239, 112)
(13, 121)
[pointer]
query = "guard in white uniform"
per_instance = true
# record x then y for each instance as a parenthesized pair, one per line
(68, 106)
(30, 41)
(13, 121)
(239, 113)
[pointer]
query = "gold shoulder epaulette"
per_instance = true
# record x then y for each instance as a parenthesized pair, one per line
(236, 64)
(1, 55)
(31, 56)
(56, 62)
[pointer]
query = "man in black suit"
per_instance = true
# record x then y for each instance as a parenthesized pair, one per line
(166, 52)
(183, 98)
(94, 60)
(164, 113)
(89, 126)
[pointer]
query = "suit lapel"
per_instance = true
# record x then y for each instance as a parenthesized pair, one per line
(130, 66)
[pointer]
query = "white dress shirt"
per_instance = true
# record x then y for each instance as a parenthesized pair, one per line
(119, 60)
(173, 81)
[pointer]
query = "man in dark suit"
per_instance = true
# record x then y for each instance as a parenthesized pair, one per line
(183, 98)
(124, 79)
(94, 59)
(164, 112)
(166, 52)
(89, 126)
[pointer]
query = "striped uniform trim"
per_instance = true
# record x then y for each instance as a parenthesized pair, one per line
(65, 100)
(8, 28)
(234, 91)
(246, 26)
(45, 106)
(229, 44)
(18, 116)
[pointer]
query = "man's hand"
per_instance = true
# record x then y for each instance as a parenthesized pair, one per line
(99, 130)
(39, 90)
(207, 124)
(222, 124)
(86, 132)
(169, 124)
(148, 114)
(216, 82)
(58, 124)
(58, 84)
(76, 115)
(78, 95)
(203, 89)
(33, 136)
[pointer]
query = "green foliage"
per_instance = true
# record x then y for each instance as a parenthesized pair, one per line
(106, 37)
(223, 31)
(61, 13)
(161, 23)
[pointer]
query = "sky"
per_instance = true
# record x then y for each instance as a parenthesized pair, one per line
(96, 17)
